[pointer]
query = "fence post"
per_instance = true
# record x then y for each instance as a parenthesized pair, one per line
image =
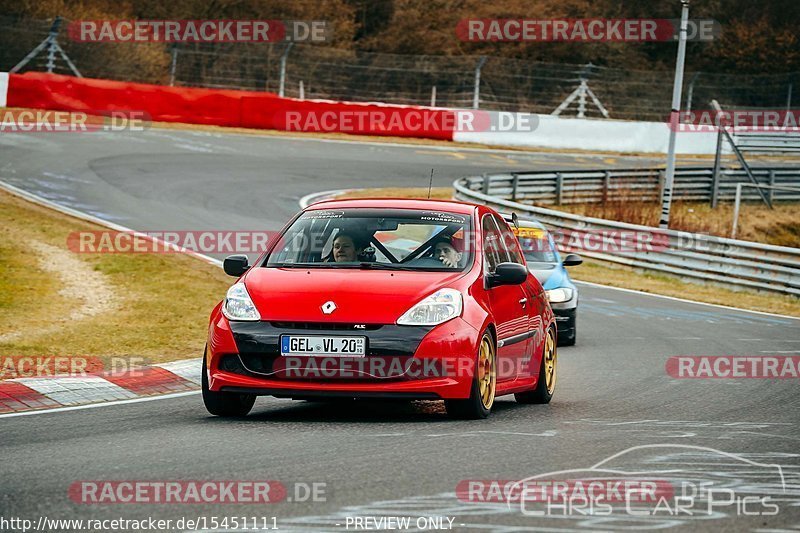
(715, 172)
(606, 185)
(174, 65)
(789, 98)
(736, 203)
(485, 183)
(433, 96)
(283, 68)
(476, 95)
(559, 188)
(302, 91)
(690, 93)
(514, 185)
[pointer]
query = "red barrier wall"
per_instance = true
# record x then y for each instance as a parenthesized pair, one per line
(249, 109)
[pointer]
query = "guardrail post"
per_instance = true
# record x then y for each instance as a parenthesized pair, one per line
(485, 188)
(771, 184)
(559, 188)
(514, 185)
(606, 185)
(715, 172)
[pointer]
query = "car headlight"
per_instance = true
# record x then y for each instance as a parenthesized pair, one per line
(439, 307)
(238, 305)
(560, 295)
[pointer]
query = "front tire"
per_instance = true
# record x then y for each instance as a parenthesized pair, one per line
(484, 385)
(225, 404)
(546, 384)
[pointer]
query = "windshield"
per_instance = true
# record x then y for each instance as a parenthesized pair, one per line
(396, 239)
(537, 245)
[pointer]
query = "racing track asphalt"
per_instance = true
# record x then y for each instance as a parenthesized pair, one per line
(396, 459)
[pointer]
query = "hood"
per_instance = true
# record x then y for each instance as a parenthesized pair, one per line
(550, 275)
(361, 296)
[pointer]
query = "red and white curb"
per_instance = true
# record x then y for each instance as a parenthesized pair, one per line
(25, 394)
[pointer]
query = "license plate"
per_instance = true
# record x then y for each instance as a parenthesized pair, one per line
(323, 346)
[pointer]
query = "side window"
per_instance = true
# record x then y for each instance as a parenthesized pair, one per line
(493, 251)
(510, 242)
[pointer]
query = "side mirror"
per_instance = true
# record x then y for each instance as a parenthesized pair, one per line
(572, 260)
(235, 265)
(508, 274)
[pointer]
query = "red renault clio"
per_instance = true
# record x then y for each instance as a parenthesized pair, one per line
(383, 298)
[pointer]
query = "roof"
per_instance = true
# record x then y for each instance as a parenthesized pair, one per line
(452, 206)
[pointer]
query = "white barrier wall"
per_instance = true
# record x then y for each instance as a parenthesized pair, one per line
(3, 88)
(592, 134)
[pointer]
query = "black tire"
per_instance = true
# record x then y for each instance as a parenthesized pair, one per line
(478, 405)
(225, 404)
(545, 387)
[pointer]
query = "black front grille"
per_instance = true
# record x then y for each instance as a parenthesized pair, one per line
(326, 326)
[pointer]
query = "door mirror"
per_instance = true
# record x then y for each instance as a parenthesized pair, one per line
(507, 274)
(235, 265)
(572, 260)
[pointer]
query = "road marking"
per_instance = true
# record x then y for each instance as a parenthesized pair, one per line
(104, 404)
(662, 296)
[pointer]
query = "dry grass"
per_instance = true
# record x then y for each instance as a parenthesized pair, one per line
(757, 222)
(631, 278)
(161, 301)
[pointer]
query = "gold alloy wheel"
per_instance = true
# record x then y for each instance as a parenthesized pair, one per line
(487, 374)
(549, 362)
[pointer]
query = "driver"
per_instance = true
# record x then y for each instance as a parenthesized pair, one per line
(448, 252)
(347, 248)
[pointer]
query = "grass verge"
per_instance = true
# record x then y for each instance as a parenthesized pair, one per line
(56, 302)
(758, 223)
(633, 278)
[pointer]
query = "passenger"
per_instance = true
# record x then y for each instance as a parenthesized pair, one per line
(446, 251)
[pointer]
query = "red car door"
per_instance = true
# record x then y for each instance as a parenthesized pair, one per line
(509, 304)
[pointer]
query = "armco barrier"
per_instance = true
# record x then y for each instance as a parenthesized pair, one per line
(251, 109)
(587, 186)
(735, 263)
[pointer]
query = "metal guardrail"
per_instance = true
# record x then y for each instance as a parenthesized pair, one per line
(766, 142)
(584, 186)
(731, 262)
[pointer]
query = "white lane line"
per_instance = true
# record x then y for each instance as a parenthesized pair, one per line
(684, 300)
(103, 404)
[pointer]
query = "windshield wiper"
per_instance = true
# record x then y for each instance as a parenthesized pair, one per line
(384, 266)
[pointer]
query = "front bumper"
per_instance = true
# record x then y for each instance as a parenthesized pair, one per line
(401, 361)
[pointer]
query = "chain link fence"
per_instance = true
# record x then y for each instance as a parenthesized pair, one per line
(318, 71)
